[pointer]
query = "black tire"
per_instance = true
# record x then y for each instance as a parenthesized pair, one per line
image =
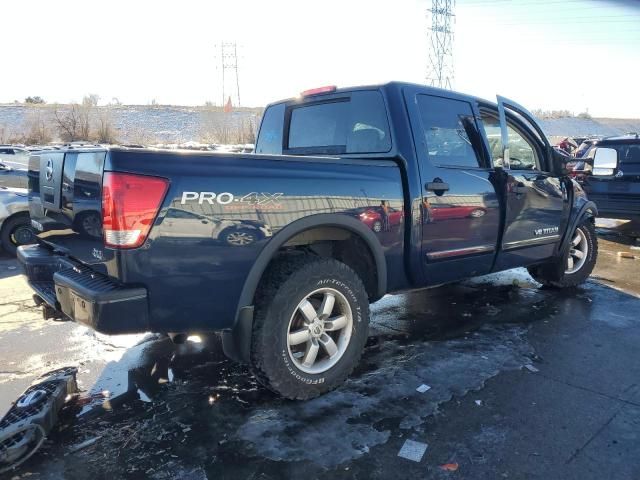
(555, 274)
(15, 232)
(287, 283)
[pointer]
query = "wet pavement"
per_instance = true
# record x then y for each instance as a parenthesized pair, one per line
(525, 382)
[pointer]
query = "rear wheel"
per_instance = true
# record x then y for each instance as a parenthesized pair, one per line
(16, 231)
(580, 259)
(310, 326)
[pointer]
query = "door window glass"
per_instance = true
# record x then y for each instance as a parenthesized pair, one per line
(449, 131)
(522, 153)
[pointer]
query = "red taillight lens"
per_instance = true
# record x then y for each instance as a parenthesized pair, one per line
(130, 204)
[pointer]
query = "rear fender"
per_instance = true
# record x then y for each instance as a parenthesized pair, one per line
(237, 341)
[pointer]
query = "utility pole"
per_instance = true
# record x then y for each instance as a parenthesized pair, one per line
(228, 58)
(440, 68)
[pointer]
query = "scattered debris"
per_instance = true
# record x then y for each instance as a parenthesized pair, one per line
(633, 247)
(25, 426)
(423, 388)
(449, 467)
(412, 450)
(479, 403)
(626, 255)
(85, 444)
(531, 368)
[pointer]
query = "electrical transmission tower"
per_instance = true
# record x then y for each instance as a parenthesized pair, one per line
(440, 69)
(227, 55)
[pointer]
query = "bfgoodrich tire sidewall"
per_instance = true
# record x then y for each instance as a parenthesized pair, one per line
(280, 365)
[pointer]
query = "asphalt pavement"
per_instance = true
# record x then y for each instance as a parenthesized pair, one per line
(517, 381)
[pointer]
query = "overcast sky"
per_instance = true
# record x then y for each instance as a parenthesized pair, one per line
(549, 54)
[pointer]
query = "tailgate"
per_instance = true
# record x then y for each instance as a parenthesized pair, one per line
(65, 201)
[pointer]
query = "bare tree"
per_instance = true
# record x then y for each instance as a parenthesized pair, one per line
(68, 122)
(36, 128)
(74, 122)
(105, 132)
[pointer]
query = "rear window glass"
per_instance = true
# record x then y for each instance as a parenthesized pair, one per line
(355, 124)
(270, 136)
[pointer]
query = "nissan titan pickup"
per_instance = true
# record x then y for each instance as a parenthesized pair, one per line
(351, 194)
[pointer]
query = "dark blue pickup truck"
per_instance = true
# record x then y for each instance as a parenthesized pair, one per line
(351, 194)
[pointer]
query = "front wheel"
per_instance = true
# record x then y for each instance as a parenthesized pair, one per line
(310, 327)
(579, 260)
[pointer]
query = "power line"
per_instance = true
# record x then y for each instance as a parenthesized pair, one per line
(228, 57)
(440, 67)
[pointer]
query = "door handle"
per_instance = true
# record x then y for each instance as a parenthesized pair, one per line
(519, 189)
(436, 187)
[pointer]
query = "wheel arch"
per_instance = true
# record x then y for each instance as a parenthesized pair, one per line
(585, 209)
(236, 342)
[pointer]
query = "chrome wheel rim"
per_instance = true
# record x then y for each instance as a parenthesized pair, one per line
(578, 252)
(377, 226)
(240, 238)
(319, 331)
(477, 213)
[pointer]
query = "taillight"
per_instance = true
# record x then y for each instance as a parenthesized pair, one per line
(130, 204)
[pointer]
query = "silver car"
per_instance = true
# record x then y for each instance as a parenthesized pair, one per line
(15, 224)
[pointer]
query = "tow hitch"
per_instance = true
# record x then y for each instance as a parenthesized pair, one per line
(25, 426)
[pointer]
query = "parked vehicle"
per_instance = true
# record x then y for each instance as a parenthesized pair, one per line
(14, 157)
(238, 233)
(295, 305)
(446, 211)
(11, 177)
(612, 180)
(374, 217)
(15, 226)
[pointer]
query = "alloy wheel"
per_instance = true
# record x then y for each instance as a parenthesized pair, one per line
(319, 331)
(578, 252)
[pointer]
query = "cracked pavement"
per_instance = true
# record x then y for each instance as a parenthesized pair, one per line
(187, 412)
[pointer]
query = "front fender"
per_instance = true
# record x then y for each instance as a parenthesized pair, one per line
(582, 209)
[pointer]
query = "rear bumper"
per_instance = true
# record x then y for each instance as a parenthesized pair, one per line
(83, 295)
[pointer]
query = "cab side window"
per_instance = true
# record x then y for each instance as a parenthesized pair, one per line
(450, 132)
(522, 152)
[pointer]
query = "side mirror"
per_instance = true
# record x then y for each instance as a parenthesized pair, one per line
(559, 161)
(605, 161)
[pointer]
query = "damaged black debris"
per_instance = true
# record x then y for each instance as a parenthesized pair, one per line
(25, 427)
